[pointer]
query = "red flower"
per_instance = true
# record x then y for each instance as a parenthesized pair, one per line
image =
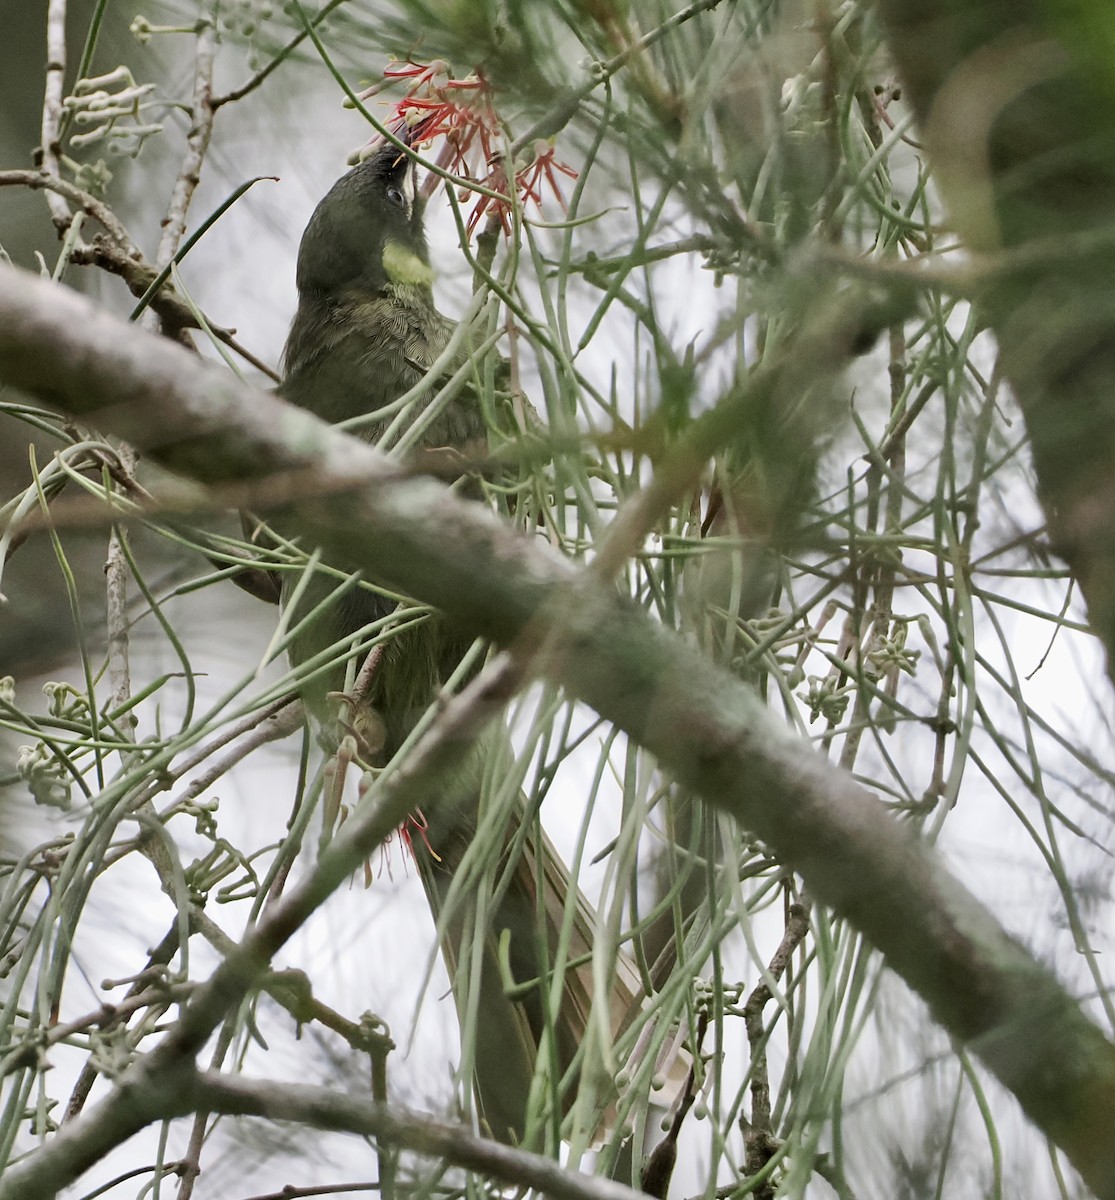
(498, 206)
(416, 823)
(460, 111)
(544, 166)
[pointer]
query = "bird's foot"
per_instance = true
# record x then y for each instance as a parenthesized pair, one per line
(363, 725)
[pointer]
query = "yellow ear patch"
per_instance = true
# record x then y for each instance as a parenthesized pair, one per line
(404, 266)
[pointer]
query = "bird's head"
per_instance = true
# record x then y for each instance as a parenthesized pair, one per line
(367, 232)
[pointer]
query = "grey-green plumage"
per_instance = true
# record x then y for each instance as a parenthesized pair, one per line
(367, 331)
(362, 336)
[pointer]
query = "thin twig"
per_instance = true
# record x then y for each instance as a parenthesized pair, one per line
(290, 1192)
(759, 1134)
(264, 72)
(120, 256)
(190, 1167)
(117, 623)
(80, 199)
(279, 720)
(158, 959)
(109, 1015)
(55, 84)
(659, 1167)
(197, 140)
(566, 108)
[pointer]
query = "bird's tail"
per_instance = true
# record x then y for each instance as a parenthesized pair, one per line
(507, 935)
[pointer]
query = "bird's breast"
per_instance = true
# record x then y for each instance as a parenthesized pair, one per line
(349, 355)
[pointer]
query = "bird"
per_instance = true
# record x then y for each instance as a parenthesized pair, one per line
(365, 332)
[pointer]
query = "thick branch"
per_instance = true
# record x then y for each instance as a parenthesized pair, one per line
(703, 724)
(149, 1097)
(408, 1130)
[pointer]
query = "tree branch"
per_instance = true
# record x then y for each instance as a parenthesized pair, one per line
(151, 1098)
(52, 107)
(119, 255)
(702, 723)
(197, 140)
(325, 1109)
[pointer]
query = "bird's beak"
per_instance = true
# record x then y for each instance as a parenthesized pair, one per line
(410, 186)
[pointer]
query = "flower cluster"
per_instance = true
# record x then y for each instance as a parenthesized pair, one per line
(111, 109)
(461, 113)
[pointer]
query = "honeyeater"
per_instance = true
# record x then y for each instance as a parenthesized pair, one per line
(365, 332)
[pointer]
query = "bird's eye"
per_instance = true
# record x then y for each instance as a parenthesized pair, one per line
(395, 196)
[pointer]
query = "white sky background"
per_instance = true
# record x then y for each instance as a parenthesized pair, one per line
(368, 949)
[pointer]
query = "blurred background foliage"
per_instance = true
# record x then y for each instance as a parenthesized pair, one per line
(720, 317)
